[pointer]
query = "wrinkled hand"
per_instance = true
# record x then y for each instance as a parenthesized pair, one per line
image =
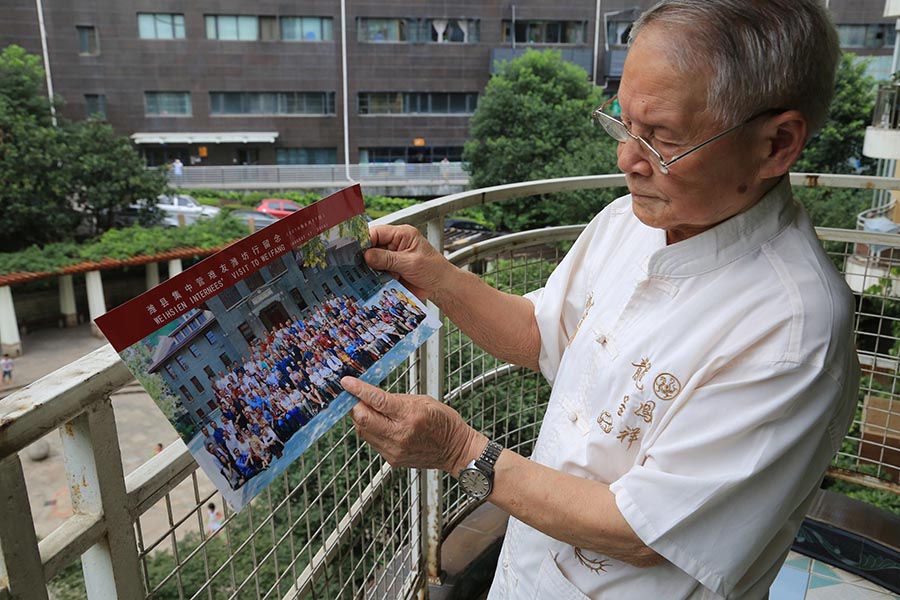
(409, 257)
(411, 431)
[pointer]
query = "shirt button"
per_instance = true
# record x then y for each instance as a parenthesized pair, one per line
(505, 564)
(573, 416)
(601, 339)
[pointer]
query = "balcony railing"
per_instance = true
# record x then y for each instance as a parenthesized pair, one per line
(397, 174)
(340, 522)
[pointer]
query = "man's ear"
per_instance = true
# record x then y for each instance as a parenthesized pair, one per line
(785, 137)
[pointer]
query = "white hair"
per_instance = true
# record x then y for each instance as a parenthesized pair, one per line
(761, 54)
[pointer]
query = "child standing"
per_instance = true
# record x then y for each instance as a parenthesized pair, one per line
(6, 367)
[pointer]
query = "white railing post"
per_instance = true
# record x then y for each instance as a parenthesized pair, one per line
(432, 371)
(10, 342)
(91, 448)
(20, 561)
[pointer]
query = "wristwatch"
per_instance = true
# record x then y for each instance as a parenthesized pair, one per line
(477, 479)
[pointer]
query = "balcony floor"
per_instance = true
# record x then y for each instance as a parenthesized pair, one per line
(804, 578)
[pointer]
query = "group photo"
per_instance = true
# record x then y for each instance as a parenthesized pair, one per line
(294, 374)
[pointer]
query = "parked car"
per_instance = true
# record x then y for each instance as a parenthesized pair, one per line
(260, 219)
(183, 208)
(278, 207)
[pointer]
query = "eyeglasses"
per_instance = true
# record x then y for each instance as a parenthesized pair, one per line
(620, 132)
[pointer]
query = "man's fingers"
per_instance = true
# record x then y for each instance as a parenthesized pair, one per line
(369, 394)
(393, 237)
(383, 260)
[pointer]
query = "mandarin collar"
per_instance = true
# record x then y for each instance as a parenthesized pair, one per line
(727, 241)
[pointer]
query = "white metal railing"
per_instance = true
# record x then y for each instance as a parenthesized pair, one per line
(388, 174)
(341, 523)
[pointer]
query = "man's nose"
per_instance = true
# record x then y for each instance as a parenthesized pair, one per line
(632, 158)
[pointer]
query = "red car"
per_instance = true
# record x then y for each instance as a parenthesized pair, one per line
(278, 207)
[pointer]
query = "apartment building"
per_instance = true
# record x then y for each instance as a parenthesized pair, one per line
(225, 82)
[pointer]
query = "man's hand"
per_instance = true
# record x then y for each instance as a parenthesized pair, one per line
(412, 431)
(404, 252)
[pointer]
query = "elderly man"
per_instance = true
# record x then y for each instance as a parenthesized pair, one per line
(697, 338)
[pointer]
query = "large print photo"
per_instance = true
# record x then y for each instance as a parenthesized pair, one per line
(250, 377)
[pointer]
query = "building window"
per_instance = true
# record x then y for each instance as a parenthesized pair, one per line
(440, 31)
(247, 333)
(95, 105)
(197, 385)
(244, 28)
(417, 103)
(268, 29)
(277, 267)
(306, 156)
(230, 296)
(306, 29)
(382, 30)
(167, 104)
(208, 370)
(338, 282)
(181, 363)
(160, 26)
(546, 32)
(254, 281)
(195, 351)
(210, 337)
(298, 299)
(458, 31)
(271, 103)
(617, 32)
(414, 154)
(187, 396)
(874, 35)
(88, 42)
(226, 360)
(170, 371)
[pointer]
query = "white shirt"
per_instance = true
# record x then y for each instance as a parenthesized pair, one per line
(709, 383)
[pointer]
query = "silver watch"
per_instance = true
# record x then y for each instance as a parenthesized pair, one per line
(477, 479)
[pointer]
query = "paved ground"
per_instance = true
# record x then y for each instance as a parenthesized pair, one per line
(141, 426)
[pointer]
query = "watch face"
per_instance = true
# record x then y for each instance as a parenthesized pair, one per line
(475, 483)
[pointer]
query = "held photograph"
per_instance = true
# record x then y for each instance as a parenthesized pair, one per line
(246, 349)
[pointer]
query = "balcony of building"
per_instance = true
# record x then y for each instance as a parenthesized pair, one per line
(342, 523)
(389, 179)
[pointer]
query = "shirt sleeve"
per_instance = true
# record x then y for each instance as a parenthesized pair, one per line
(556, 307)
(737, 459)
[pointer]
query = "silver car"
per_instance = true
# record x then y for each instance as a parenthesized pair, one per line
(182, 209)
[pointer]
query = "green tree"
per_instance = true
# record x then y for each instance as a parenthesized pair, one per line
(22, 85)
(837, 146)
(52, 178)
(107, 174)
(34, 191)
(534, 122)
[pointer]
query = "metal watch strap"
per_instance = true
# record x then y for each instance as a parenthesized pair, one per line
(490, 454)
